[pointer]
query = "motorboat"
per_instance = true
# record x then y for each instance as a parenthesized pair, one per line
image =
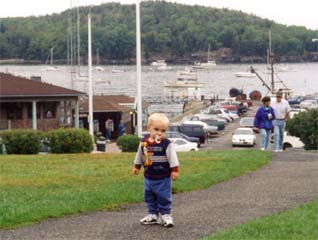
(158, 63)
(183, 83)
(210, 63)
(244, 75)
(99, 68)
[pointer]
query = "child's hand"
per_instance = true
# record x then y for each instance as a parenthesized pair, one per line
(136, 171)
(174, 175)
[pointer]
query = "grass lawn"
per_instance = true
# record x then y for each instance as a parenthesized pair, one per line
(297, 223)
(36, 187)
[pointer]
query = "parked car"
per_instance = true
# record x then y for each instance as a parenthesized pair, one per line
(295, 100)
(208, 128)
(247, 122)
(232, 114)
(289, 141)
(295, 111)
(243, 137)
(309, 104)
(211, 120)
(173, 135)
(217, 111)
(191, 130)
(182, 145)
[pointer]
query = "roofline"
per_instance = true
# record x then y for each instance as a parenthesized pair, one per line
(44, 95)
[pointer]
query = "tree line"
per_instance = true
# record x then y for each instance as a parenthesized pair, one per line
(170, 30)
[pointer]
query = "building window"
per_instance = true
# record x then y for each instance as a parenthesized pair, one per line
(49, 110)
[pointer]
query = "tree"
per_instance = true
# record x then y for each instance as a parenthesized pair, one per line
(305, 126)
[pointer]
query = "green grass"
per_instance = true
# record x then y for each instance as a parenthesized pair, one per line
(37, 187)
(297, 223)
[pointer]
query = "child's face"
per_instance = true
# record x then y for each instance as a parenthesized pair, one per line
(157, 129)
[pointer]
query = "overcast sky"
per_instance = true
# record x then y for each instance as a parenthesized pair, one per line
(289, 12)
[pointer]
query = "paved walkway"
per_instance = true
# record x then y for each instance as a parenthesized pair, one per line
(290, 179)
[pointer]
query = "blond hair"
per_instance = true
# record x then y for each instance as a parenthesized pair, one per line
(158, 116)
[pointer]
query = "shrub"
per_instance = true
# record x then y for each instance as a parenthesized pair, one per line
(128, 143)
(305, 126)
(70, 140)
(21, 141)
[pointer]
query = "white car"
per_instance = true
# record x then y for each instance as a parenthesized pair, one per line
(243, 137)
(289, 141)
(231, 114)
(182, 145)
(309, 104)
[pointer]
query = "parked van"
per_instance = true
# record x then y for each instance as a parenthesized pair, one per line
(191, 130)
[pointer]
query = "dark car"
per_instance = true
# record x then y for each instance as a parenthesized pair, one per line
(191, 130)
(181, 135)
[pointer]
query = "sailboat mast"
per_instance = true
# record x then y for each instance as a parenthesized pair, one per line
(51, 56)
(271, 60)
(78, 39)
(209, 52)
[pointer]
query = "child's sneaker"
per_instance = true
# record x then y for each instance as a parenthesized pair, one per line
(167, 220)
(149, 219)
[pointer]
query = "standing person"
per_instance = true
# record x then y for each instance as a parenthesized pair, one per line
(281, 108)
(109, 126)
(121, 129)
(263, 122)
(159, 159)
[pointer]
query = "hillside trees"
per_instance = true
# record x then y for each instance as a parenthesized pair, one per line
(167, 28)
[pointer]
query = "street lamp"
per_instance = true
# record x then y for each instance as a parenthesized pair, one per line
(315, 39)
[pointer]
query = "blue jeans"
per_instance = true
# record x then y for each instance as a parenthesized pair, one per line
(108, 134)
(279, 128)
(265, 135)
(158, 196)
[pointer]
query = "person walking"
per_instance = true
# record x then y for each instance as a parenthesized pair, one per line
(109, 127)
(263, 122)
(281, 109)
(121, 129)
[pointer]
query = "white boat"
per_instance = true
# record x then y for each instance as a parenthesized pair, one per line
(187, 74)
(164, 67)
(197, 65)
(209, 63)
(185, 81)
(244, 75)
(114, 70)
(51, 67)
(99, 68)
(182, 84)
(158, 63)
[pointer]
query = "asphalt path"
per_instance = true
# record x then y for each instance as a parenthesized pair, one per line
(290, 179)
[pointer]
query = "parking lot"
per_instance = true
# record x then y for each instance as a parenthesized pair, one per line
(224, 138)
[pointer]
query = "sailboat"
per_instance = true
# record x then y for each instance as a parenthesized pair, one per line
(209, 63)
(51, 67)
(98, 68)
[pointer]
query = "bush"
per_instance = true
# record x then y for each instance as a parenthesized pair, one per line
(128, 143)
(70, 140)
(20, 141)
(305, 126)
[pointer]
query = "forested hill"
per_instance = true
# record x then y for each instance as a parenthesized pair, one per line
(172, 31)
